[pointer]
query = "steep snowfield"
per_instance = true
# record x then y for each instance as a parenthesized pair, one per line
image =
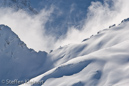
(107, 67)
(103, 39)
(16, 60)
(102, 60)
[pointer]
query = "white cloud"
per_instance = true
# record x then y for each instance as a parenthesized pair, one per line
(31, 28)
(100, 16)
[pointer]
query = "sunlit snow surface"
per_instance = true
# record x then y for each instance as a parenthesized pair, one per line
(102, 60)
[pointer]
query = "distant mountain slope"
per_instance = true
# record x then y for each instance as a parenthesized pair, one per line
(16, 60)
(102, 60)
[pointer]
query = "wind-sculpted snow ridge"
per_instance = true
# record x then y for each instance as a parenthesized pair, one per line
(95, 69)
(16, 60)
(103, 39)
(102, 60)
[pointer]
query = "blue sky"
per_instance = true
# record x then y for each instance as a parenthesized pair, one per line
(66, 13)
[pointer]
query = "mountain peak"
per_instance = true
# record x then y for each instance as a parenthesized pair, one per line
(15, 55)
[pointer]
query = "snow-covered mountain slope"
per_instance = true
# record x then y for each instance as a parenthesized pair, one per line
(18, 4)
(103, 39)
(102, 60)
(107, 67)
(16, 60)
